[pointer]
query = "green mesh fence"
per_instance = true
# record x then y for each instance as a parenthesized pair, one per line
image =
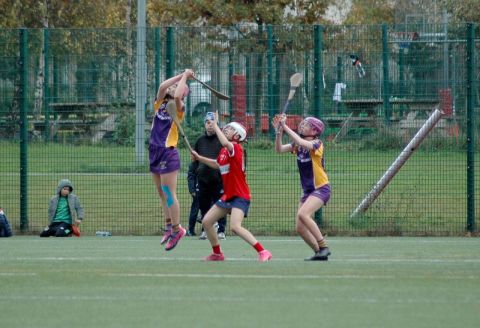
(374, 87)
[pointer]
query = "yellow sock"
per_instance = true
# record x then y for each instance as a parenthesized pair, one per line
(322, 243)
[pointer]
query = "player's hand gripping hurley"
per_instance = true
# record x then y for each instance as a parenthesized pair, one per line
(172, 111)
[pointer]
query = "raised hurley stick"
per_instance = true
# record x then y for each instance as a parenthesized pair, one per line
(172, 111)
(295, 81)
(217, 93)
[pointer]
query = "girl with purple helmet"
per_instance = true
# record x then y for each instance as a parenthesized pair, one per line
(309, 150)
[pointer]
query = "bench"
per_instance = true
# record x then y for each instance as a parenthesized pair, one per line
(83, 118)
(365, 112)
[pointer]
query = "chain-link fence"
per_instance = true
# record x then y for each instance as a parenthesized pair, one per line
(68, 109)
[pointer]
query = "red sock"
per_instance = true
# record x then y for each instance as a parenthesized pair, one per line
(258, 247)
(216, 249)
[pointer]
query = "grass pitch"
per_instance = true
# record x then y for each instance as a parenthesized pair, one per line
(133, 282)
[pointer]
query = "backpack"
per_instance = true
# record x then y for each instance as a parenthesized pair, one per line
(5, 228)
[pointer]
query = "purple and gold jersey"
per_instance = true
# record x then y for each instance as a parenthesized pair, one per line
(164, 132)
(311, 166)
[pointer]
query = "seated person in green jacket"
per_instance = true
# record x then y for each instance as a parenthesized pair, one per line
(64, 212)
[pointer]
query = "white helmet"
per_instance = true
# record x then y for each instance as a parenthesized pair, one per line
(239, 129)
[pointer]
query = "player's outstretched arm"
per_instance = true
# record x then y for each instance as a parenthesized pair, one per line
(221, 137)
(162, 89)
(205, 160)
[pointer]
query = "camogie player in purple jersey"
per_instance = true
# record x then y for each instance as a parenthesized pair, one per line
(309, 150)
(163, 153)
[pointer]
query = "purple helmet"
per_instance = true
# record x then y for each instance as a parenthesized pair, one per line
(316, 124)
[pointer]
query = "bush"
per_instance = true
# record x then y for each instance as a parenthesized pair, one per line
(383, 140)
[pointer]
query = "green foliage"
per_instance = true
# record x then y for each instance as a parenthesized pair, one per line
(85, 13)
(370, 12)
(124, 133)
(212, 12)
(261, 143)
(383, 140)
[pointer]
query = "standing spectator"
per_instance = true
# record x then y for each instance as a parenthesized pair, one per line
(163, 153)
(64, 211)
(210, 187)
(193, 190)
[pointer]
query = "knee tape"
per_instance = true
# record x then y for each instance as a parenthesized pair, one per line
(168, 194)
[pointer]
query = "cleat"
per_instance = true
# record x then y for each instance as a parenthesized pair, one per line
(264, 256)
(203, 235)
(191, 234)
(174, 239)
(221, 236)
(215, 257)
(166, 236)
(321, 255)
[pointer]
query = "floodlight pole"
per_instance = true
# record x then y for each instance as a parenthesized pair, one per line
(398, 163)
(140, 85)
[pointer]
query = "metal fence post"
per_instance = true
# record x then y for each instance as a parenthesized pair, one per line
(46, 84)
(23, 130)
(339, 80)
(401, 78)
(317, 89)
(256, 123)
(270, 95)
(386, 79)
(170, 54)
(317, 70)
(471, 127)
(230, 83)
(158, 56)
(141, 84)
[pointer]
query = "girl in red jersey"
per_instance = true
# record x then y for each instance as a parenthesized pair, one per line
(309, 150)
(236, 197)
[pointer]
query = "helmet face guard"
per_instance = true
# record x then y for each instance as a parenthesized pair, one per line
(239, 129)
(316, 125)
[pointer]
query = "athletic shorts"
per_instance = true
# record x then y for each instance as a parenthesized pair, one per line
(323, 193)
(163, 160)
(236, 202)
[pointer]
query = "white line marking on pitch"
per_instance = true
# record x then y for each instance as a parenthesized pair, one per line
(209, 298)
(5, 274)
(250, 259)
(250, 276)
(243, 276)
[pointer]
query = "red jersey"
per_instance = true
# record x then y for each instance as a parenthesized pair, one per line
(232, 169)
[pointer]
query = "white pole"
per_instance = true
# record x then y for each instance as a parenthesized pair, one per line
(398, 163)
(140, 85)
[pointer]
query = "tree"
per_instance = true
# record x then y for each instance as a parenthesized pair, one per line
(370, 12)
(231, 12)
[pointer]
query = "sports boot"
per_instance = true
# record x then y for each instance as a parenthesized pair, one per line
(215, 257)
(166, 236)
(175, 238)
(264, 256)
(321, 255)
